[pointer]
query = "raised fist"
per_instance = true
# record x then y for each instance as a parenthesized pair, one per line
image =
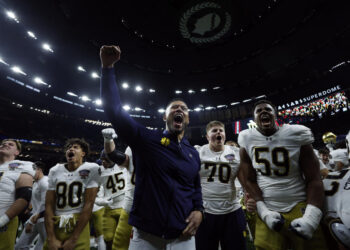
(109, 55)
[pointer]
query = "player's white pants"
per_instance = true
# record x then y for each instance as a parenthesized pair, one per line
(26, 239)
(145, 241)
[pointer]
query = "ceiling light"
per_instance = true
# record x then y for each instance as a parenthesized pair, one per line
(80, 68)
(71, 94)
(221, 106)
(203, 90)
(47, 47)
(138, 88)
(18, 70)
(85, 98)
(126, 107)
(217, 87)
(246, 100)
(98, 102)
(191, 91)
(31, 34)
(261, 96)
(152, 90)
(178, 92)
(161, 110)
(234, 103)
(125, 85)
(3, 62)
(38, 80)
(197, 109)
(94, 75)
(209, 108)
(138, 109)
(12, 16)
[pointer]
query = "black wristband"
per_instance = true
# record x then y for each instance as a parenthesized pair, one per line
(117, 157)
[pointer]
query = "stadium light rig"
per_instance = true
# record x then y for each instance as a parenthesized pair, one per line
(85, 98)
(12, 15)
(80, 68)
(152, 90)
(71, 94)
(38, 80)
(3, 62)
(47, 47)
(94, 75)
(191, 91)
(18, 70)
(126, 107)
(161, 110)
(32, 35)
(138, 88)
(203, 90)
(125, 85)
(98, 102)
(178, 92)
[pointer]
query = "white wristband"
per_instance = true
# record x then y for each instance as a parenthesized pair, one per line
(261, 209)
(4, 219)
(313, 215)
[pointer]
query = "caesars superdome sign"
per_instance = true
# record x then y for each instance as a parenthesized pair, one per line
(204, 23)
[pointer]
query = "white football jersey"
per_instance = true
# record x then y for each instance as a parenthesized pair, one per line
(9, 174)
(276, 161)
(340, 155)
(114, 184)
(337, 188)
(130, 183)
(100, 194)
(70, 186)
(38, 196)
(218, 173)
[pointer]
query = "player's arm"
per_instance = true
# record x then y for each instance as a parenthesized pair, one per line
(43, 189)
(309, 164)
(116, 156)
(23, 195)
(50, 204)
(126, 127)
(89, 200)
(273, 220)
(247, 176)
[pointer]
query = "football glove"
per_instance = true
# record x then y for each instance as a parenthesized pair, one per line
(109, 134)
(306, 225)
(273, 220)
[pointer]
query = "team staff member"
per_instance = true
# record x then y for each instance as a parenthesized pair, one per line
(167, 208)
(16, 180)
(282, 174)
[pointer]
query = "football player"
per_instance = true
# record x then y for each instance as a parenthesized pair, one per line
(70, 198)
(337, 188)
(35, 224)
(113, 182)
(16, 180)
(224, 221)
(122, 234)
(281, 173)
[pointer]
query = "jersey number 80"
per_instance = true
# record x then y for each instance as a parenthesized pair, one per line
(71, 194)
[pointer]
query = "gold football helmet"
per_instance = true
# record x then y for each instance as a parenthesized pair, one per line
(329, 137)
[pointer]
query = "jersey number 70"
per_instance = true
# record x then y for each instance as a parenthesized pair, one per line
(282, 163)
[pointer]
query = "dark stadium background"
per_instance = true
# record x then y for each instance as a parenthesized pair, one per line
(275, 49)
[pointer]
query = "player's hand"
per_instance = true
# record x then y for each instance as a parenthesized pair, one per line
(35, 218)
(109, 55)
(103, 202)
(29, 228)
(249, 203)
(54, 244)
(69, 244)
(306, 225)
(194, 220)
(4, 219)
(109, 134)
(273, 220)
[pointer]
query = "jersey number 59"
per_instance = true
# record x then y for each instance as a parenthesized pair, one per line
(282, 163)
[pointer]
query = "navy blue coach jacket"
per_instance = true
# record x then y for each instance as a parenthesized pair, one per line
(167, 171)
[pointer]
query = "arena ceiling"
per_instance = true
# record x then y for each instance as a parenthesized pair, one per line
(225, 51)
